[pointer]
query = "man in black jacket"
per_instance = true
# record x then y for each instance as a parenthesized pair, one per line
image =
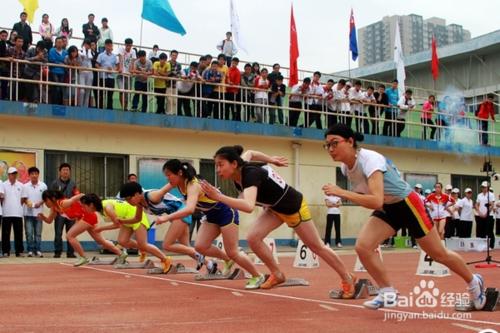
(4, 84)
(24, 30)
(90, 30)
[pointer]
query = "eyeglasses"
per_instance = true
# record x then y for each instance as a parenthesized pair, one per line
(332, 144)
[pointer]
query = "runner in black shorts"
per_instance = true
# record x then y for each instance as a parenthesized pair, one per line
(260, 185)
(376, 184)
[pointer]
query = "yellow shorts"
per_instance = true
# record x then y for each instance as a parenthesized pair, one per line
(293, 220)
(135, 226)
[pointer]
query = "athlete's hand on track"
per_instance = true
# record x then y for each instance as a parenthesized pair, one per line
(331, 189)
(210, 191)
(279, 161)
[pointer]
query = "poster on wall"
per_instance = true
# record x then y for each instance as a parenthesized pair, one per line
(22, 161)
(426, 180)
(150, 174)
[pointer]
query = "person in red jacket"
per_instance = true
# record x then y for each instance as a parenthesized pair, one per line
(485, 110)
(233, 79)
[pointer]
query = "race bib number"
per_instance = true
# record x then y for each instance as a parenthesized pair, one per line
(275, 177)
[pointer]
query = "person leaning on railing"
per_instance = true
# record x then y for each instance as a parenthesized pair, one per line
(369, 100)
(486, 109)
(73, 59)
(261, 95)
(141, 68)
(4, 71)
(86, 76)
(426, 117)
(406, 103)
(17, 68)
(33, 71)
(248, 81)
(375, 112)
(296, 100)
(160, 69)
(174, 73)
(314, 102)
(56, 56)
(186, 87)
(211, 76)
(109, 62)
(233, 79)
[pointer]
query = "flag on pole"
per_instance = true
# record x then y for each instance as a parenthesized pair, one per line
(435, 60)
(353, 42)
(294, 53)
(399, 60)
(235, 28)
(161, 13)
(30, 7)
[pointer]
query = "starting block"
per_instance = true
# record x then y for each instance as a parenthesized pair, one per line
(237, 274)
(136, 265)
(492, 301)
(363, 289)
(98, 261)
(177, 269)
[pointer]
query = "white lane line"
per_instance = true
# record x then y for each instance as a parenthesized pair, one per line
(467, 327)
(174, 283)
(237, 293)
(311, 300)
(328, 307)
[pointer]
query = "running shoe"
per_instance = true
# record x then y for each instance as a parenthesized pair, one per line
(383, 299)
(273, 280)
(166, 264)
(349, 287)
(30, 254)
(122, 258)
(82, 261)
(211, 267)
(255, 282)
(477, 293)
(39, 254)
(142, 256)
(228, 265)
(200, 260)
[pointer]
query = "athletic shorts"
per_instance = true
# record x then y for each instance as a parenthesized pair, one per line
(135, 226)
(409, 213)
(293, 220)
(222, 215)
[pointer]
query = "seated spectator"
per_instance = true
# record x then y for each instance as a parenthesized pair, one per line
(64, 30)
(186, 87)
(90, 30)
(211, 77)
(153, 55)
(109, 62)
(247, 94)
(233, 79)
(18, 53)
(276, 97)
(33, 71)
(227, 47)
(261, 95)
(314, 102)
(73, 59)
(161, 69)
(126, 58)
(376, 111)
(4, 65)
(22, 29)
(46, 31)
(296, 100)
(105, 33)
(141, 68)
(426, 117)
(405, 104)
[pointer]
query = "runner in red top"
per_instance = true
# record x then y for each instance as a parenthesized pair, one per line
(439, 205)
(85, 218)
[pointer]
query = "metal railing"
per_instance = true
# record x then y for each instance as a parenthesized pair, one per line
(211, 100)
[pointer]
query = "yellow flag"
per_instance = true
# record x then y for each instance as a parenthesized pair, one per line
(30, 7)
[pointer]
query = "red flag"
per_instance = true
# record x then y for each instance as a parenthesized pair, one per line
(435, 60)
(294, 53)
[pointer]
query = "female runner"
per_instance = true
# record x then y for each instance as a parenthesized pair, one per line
(261, 185)
(376, 184)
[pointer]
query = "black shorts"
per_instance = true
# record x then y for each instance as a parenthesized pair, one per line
(409, 213)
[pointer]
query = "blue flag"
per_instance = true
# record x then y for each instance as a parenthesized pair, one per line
(161, 13)
(353, 43)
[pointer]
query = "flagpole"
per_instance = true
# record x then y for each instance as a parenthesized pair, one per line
(140, 38)
(349, 64)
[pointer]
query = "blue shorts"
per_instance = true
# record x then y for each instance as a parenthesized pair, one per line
(222, 215)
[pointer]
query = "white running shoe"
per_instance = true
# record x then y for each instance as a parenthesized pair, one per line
(477, 292)
(382, 300)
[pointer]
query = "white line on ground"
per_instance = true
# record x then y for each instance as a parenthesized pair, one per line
(311, 300)
(237, 293)
(328, 307)
(472, 328)
(174, 283)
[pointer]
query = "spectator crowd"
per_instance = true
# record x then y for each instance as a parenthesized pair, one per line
(103, 76)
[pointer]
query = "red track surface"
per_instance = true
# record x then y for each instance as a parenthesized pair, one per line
(61, 298)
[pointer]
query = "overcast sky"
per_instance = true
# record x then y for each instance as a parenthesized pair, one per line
(322, 25)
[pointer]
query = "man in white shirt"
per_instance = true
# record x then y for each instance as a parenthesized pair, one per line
(314, 101)
(12, 214)
(333, 218)
(32, 200)
(345, 105)
(227, 47)
(297, 95)
(465, 207)
(485, 204)
(126, 58)
(356, 97)
(406, 103)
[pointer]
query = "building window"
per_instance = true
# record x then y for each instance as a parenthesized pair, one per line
(102, 174)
